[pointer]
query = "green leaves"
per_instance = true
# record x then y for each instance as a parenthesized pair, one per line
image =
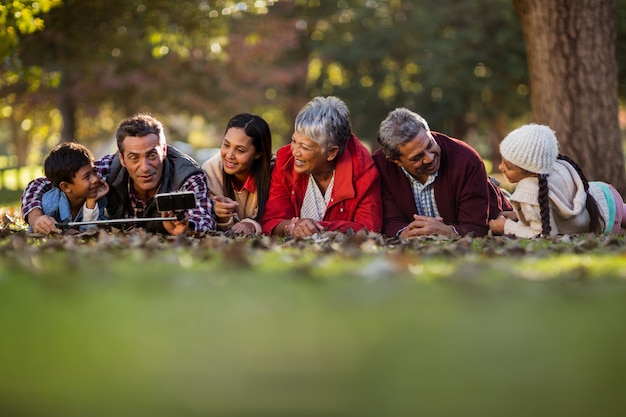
(21, 17)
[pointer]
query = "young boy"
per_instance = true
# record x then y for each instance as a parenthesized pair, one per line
(78, 190)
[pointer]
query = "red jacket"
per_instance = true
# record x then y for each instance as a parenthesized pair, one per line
(465, 197)
(355, 200)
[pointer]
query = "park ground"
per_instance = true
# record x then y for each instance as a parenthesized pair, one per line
(130, 324)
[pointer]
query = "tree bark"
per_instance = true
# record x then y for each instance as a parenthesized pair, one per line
(570, 47)
(20, 143)
(67, 107)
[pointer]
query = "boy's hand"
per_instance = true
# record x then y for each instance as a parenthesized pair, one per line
(103, 190)
(45, 225)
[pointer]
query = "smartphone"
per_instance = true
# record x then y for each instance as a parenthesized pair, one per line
(178, 201)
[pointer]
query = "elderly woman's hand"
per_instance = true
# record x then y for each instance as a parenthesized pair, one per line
(302, 227)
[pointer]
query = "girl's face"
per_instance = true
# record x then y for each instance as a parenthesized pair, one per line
(512, 172)
(238, 153)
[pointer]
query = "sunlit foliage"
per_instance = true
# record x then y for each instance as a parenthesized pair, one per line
(21, 17)
(460, 64)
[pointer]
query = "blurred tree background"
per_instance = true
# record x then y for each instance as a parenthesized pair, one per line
(72, 69)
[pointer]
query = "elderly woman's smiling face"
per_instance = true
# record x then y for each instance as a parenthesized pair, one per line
(310, 157)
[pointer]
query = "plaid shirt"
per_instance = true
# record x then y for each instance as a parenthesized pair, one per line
(424, 195)
(201, 217)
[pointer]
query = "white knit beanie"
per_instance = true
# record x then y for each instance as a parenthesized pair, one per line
(531, 147)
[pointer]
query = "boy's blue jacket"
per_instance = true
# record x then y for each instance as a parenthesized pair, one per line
(55, 204)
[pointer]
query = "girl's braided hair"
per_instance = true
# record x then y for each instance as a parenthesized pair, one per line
(596, 223)
(544, 205)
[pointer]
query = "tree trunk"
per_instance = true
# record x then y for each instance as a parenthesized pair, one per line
(20, 144)
(570, 46)
(67, 108)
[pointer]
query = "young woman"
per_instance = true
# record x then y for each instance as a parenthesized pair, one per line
(239, 176)
(552, 195)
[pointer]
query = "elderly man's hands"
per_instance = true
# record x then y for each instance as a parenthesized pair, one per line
(424, 225)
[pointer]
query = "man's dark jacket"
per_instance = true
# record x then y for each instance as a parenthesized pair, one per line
(177, 168)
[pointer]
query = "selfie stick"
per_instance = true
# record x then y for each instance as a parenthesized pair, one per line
(129, 220)
(177, 202)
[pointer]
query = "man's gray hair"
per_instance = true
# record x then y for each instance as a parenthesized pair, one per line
(325, 120)
(399, 127)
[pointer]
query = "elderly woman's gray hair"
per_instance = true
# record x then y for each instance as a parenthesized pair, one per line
(325, 120)
(399, 127)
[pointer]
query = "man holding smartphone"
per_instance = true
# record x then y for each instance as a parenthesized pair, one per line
(143, 167)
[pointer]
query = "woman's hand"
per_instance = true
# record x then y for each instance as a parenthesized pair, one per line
(303, 228)
(224, 208)
(244, 228)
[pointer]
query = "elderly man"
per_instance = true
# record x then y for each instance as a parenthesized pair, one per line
(432, 184)
(143, 167)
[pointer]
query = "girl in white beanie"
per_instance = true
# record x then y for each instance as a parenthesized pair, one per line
(552, 195)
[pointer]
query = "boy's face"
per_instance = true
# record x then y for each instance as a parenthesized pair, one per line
(84, 185)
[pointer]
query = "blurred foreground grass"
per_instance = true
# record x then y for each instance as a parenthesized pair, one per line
(195, 331)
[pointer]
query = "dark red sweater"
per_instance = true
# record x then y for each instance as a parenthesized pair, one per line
(465, 196)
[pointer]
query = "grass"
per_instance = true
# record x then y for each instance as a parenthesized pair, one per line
(10, 198)
(137, 326)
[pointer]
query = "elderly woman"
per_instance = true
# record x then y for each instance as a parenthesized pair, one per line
(325, 179)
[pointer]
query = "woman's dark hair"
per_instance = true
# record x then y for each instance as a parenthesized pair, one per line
(596, 222)
(257, 128)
